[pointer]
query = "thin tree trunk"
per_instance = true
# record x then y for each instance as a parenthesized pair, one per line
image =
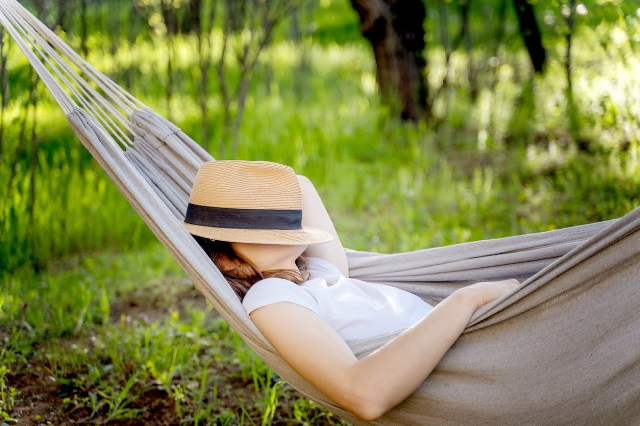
(443, 20)
(34, 159)
(170, 82)
(62, 14)
(114, 28)
(170, 21)
(203, 27)
(497, 40)
(570, 19)
(4, 88)
(257, 22)
(23, 129)
(465, 33)
(132, 30)
(224, 90)
(530, 33)
(33, 199)
(84, 28)
(300, 76)
(571, 108)
(235, 130)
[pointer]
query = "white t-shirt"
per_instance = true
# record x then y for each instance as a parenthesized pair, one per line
(355, 309)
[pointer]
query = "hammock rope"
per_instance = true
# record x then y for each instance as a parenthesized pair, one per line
(563, 348)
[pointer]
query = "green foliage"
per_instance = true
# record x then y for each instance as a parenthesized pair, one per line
(313, 105)
(51, 207)
(104, 310)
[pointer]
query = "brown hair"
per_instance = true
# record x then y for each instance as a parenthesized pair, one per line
(240, 272)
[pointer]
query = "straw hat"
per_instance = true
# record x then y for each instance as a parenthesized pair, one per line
(249, 202)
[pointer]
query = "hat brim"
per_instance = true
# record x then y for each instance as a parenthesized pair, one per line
(304, 236)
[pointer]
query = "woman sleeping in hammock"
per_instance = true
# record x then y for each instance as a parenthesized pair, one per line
(270, 235)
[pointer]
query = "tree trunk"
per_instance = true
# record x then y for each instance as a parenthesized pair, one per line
(465, 34)
(530, 33)
(84, 33)
(171, 23)
(497, 41)
(396, 33)
(570, 18)
(571, 106)
(202, 24)
(61, 19)
(258, 23)
(4, 89)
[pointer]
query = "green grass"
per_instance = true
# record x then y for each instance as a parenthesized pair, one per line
(99, 316)
(133, 337)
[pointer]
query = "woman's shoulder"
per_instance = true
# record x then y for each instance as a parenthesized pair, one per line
(320, 267)
(275, 290)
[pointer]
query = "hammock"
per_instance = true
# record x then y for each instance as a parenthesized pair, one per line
(564, 348)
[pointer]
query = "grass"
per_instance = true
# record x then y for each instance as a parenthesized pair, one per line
(97, 320)
(135, 341)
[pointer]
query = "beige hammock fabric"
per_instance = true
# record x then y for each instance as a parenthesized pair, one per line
(564, 348)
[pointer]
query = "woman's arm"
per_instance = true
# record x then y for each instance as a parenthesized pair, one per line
(371, 386)
(315, 214)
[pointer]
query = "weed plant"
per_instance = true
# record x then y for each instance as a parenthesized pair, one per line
(103, 321)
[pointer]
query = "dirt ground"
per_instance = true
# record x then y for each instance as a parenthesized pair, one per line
(40, 401)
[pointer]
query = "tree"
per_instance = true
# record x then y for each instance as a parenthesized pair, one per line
(247, 32)
(396, 33)
(530, 33)
(395, 30)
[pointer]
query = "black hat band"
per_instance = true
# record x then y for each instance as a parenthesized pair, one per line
(221, 217)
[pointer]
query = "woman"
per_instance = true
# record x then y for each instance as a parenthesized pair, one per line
(259, 222)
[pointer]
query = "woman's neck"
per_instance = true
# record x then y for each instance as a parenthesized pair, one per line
(269, 257)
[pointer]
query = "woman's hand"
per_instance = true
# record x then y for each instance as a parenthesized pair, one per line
(484, 292)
